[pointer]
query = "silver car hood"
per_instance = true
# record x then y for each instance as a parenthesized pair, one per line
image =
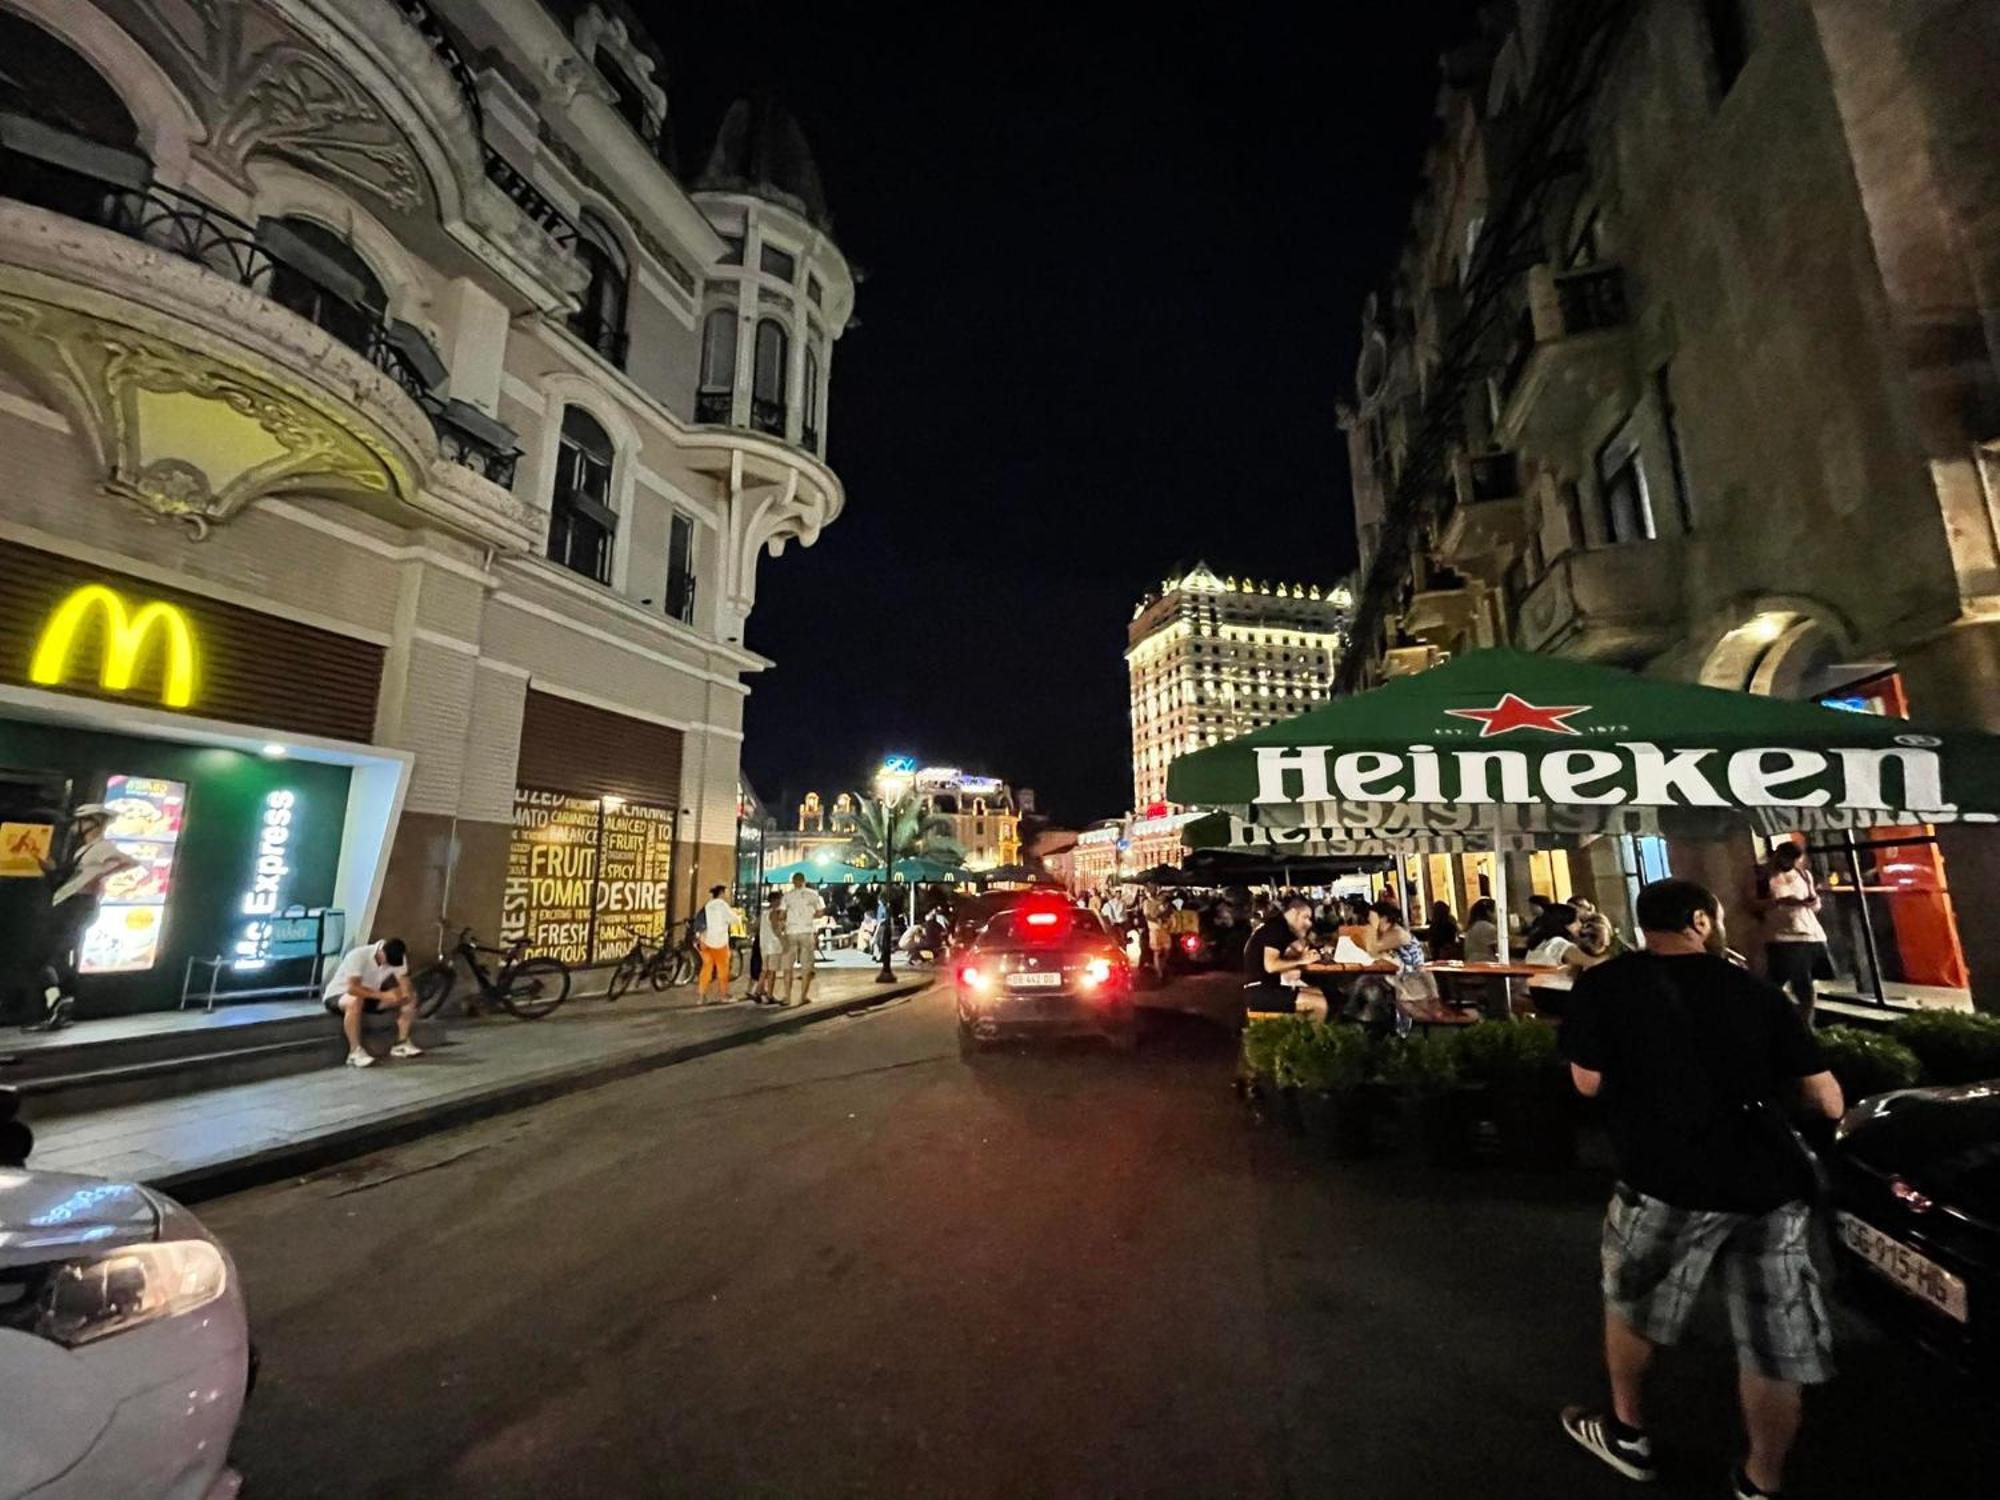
(46, 1215)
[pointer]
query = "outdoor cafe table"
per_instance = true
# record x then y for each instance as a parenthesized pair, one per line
(1434, 1015)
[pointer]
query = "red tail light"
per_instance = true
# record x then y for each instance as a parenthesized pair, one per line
(1190, 944)
(1043, 918)
(971, 978)
(1097, 972)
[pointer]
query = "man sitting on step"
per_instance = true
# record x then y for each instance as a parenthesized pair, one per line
(374, 977)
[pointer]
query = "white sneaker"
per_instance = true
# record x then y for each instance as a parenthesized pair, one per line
(359, 1058)
(406, 1049)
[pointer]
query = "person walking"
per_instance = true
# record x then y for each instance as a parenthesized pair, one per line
(712, 937)
(76, 883)
(1159, 937)
(799, 907)
(1696, 1063)
(1794, 941)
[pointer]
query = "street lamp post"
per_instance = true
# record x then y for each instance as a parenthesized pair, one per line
(882, 936)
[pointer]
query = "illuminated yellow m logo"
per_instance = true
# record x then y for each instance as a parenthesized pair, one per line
(125, 637)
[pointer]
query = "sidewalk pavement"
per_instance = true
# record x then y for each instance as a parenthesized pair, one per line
(200, 1145)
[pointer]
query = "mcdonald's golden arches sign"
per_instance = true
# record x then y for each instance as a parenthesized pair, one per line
(68, 627)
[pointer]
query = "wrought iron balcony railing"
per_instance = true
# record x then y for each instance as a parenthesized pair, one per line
(184, 226)
(610, 342)
(530, 199)
(421, 16)
(680, 599)
(768, 416)
(713, 406)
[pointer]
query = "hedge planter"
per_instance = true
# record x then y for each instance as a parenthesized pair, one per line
(1343, 1120)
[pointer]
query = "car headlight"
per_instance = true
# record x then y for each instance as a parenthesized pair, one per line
(95, 1296)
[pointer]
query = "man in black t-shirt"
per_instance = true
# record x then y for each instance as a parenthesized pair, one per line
(1275, 954)
(1695, 1062)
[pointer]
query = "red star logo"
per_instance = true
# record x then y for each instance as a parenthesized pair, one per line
(1512, 713)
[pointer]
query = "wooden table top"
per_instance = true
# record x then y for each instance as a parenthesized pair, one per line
(1446, 970)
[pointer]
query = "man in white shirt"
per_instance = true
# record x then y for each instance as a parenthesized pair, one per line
(76, 884)
(373, 977)
(712, 937)
(801, 906)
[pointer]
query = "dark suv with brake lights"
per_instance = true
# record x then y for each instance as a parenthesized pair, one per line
(1044, 969)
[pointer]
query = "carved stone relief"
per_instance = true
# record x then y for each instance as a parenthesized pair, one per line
(179, 436)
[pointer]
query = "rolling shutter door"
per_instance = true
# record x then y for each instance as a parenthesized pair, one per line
(571, 747)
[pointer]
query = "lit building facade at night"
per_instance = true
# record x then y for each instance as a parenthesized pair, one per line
(1687, 375)
(392, 441)
(1210, 658)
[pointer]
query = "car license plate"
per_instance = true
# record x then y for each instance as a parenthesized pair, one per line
(1916, 1274)
(1035, 979)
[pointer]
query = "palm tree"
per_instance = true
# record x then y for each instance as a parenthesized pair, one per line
(887, 833)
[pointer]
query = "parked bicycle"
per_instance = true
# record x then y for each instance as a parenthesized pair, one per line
(663, 966)
(529, 988)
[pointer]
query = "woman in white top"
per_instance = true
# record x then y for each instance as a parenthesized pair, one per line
(1794, 942)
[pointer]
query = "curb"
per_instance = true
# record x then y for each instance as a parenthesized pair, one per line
(259, 1168)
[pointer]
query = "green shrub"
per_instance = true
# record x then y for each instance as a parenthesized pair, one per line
(1867, 1062)
(1323, 1059)
(1953, 1046)
(1261, 1040)
(1495, 1052)
(1423, 1064)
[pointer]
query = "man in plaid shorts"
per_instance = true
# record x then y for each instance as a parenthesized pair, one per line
(1695, 1061)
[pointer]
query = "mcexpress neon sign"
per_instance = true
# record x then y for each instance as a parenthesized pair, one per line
(269, 876)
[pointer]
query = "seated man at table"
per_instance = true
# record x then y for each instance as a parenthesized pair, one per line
(1274, 962)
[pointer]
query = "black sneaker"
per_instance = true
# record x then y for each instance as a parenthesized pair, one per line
(1743, 1489)
(1600, 1433)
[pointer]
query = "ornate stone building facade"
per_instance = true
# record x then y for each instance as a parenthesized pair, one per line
(377, 342)
(1689, 364)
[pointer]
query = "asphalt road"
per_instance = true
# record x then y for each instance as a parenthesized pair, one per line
(847, 1262)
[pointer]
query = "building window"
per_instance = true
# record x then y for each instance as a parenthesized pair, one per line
(680, 569)
(815, 294)
(582, 524)
(732, 250)
(716, 395)
(318, 275)
(810, 418)
(628, 101)
(67, 142)
(1663, 391)
(600, 320)
(1728, 40)
(1621, 484)
(767, 390)
(779, 263)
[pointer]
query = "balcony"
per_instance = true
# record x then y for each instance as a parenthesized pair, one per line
(1571, 352)
(186, 290)
(1408, 660)
(1612, 604)
(1489, 514)
(1441, 606)
(715, 407)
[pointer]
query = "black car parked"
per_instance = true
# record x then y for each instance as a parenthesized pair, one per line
(1916, 1178)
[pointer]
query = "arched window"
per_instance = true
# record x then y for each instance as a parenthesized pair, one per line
(600, 320)
(67, 142)
(715, 393)
(767, 388)
(318, 275)
(582, 524)
(809, 421)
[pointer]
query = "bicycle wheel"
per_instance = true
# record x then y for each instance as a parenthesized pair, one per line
(686, 964)
(630, 967)
(432, 987)
(534, 987)
(661, 970)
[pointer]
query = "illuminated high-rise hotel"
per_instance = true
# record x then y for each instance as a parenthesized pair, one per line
(1213, 657)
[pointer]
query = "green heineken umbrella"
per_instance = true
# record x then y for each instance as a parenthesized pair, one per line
(1507, 749)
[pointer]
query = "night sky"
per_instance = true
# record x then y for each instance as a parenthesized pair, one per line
(1113, 283)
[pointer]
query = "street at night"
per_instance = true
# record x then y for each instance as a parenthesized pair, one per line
(849, 1263)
